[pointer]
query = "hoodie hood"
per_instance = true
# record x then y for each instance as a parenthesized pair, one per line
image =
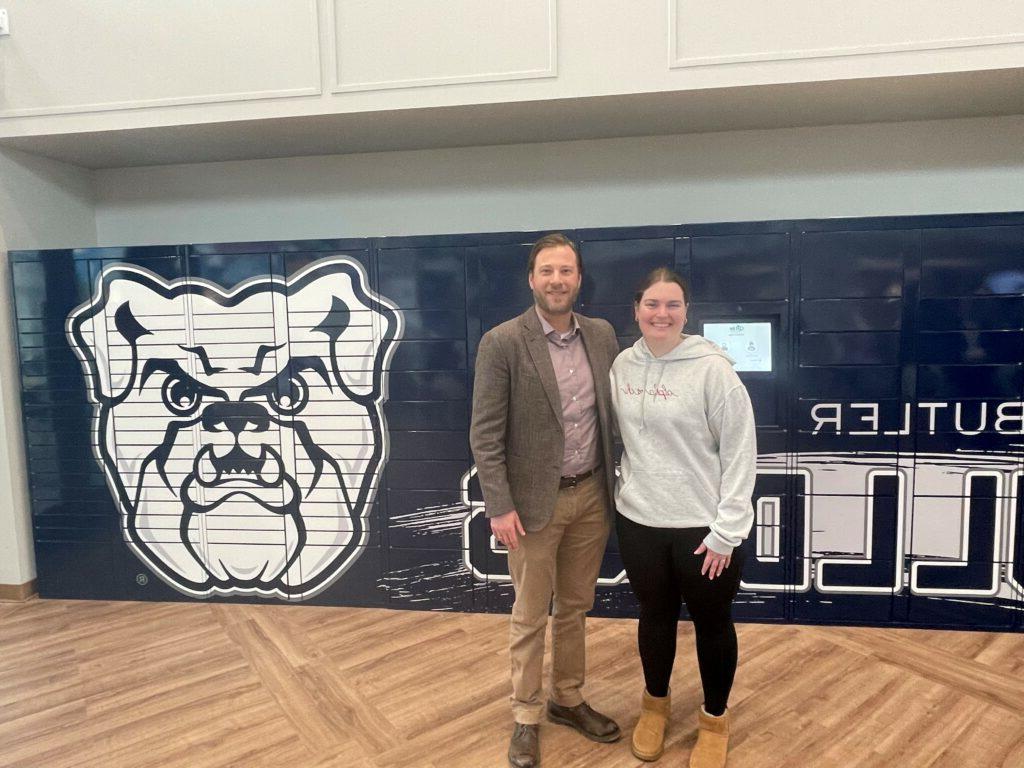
(692, 348)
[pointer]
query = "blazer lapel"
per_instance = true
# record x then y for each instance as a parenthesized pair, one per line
(537, 346)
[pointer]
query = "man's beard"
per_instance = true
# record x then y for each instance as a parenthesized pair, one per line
(545, 306)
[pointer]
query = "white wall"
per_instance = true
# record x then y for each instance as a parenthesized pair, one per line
(43, 204)
(139, 63)
(946, 166)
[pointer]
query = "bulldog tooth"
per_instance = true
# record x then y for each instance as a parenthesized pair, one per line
(270, 470)
(206, 472)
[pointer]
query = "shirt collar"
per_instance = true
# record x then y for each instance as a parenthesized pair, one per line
(548, 328)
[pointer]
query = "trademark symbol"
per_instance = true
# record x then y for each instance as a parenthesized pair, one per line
(142, 579)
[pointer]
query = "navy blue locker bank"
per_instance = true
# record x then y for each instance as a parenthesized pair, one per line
(288, 421)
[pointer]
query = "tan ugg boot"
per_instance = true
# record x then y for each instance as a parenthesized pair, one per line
(712, 741)
(649, 734)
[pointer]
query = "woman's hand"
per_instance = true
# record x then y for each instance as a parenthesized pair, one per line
(714, 563)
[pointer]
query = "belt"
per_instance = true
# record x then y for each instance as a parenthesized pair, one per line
(573, 480)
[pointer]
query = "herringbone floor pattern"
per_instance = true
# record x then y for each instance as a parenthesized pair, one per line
(157, 685)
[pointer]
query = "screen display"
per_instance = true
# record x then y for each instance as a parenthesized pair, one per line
(749, 344)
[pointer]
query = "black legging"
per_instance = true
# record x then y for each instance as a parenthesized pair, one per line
(663, 570)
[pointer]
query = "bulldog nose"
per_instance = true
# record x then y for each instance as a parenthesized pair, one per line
(235, 417)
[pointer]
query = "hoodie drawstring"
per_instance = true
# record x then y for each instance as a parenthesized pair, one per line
(691, 348)
(646, 389)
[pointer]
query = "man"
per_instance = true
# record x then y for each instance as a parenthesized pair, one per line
(541, 439)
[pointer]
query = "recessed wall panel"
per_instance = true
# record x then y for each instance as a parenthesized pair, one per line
(106, 54)
(406, 43)
(704, 32)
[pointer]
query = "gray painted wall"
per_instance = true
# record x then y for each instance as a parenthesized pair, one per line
(970, 165)
(43, 204)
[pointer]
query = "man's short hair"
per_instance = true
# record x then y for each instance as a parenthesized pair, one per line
(551, 241)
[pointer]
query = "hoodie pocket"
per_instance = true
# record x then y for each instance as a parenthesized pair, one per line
(672, 496)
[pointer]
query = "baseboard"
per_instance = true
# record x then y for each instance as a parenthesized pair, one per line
(18, 591)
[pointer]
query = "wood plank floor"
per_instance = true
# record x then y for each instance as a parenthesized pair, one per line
(158, 685)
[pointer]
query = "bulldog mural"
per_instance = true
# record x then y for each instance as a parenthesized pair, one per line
(240, 431)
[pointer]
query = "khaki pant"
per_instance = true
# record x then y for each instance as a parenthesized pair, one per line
(562, 560)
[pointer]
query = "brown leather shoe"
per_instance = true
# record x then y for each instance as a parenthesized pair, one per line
(587, 721)
(524, 749)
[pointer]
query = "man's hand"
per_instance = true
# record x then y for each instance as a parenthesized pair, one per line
(507, 529)
(714, 563)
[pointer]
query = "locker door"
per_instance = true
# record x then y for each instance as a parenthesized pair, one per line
(849, 389)
(969, 348)
(741, 274)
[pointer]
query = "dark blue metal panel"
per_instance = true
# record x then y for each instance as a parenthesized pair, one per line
(428, 415)
(426, 385)
(849, 348)
(426, 519)
(852, 382)
(970, 347)
(429, 451)
(972, 260)
(949, 382)
(853, 264)
(501, 272)
(740, 267)
(845, 315)
(968, 350)
(607, 263)
(975, 313)
(890, 471)
(230, 269)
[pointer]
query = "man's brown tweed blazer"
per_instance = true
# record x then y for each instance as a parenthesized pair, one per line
(516, 434)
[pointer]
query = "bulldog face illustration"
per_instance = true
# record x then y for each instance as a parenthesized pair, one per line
(240, 431)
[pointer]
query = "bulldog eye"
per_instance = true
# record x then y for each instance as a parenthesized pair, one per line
(292, 398)
(180, 396)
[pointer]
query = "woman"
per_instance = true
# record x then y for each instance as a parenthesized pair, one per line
(683, 500)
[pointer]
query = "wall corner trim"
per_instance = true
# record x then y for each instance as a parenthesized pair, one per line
(18, 592)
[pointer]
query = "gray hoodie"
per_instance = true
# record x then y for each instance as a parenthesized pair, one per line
(690, 455)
